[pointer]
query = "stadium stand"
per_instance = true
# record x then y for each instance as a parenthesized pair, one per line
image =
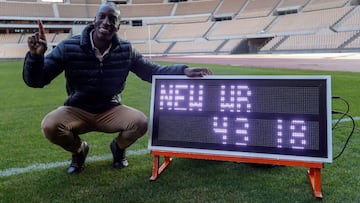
(239, 27)
(84, 2)
(324, 4)
(196, 7)
(354, 44)
(146, 1)
(140, 33)
(292, 4)
(201, 46)
(229, 46)
(184, 32)
(59, 37)
(316, 41)
(179, 19)
(49, 37)
(229, 8)
(77, 10)
(258, 8)
(165, 27)
(305, 23)
(146, 10)
(26, 9)
(152, 47)
(9, 38)
(350, 22)
(273, 44)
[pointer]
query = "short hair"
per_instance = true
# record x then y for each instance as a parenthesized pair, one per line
(113, 5)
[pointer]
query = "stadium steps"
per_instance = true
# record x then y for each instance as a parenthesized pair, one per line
(306, 4)
(343, 45)
(160, 31)
(210, 30)
(278, 44)
(157, 35)
(167, 51)
(56, 10)
(173, 11)
(217, 50)
(241, 9)
(217, 8)
(337, 24)
(268, 27)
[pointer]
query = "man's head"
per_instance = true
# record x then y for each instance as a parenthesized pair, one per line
(107, 21)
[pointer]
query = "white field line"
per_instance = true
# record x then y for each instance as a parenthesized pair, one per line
(40, 167)
(346, 119)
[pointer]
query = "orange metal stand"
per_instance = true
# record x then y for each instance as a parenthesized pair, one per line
(314, 172)
(315, 181)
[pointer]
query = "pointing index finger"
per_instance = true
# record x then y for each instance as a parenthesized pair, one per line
(41, 30)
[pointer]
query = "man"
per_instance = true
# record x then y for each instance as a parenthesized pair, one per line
(96, 65)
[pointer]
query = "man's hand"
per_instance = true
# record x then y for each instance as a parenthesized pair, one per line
(37, 42)
(197, 72)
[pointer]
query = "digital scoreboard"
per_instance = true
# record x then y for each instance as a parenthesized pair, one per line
(274, 117)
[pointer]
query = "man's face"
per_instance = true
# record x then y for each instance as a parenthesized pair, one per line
(106, 22)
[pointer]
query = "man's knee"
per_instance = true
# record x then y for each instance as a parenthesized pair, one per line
(142, 125)
(127, 138)
(49, 129)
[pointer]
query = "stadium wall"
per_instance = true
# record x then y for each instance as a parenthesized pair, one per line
(195, 27)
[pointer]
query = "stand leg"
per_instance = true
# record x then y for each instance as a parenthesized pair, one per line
(167, 161)
(158, 170)
(315, 181)
(155, 171)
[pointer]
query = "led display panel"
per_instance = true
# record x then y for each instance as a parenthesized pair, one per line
(275, 117)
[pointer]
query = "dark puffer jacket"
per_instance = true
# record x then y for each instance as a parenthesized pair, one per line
(92, 85)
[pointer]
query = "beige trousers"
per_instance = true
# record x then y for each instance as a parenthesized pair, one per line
(63, 125)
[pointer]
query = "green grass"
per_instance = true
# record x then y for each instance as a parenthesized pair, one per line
(186, 180)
